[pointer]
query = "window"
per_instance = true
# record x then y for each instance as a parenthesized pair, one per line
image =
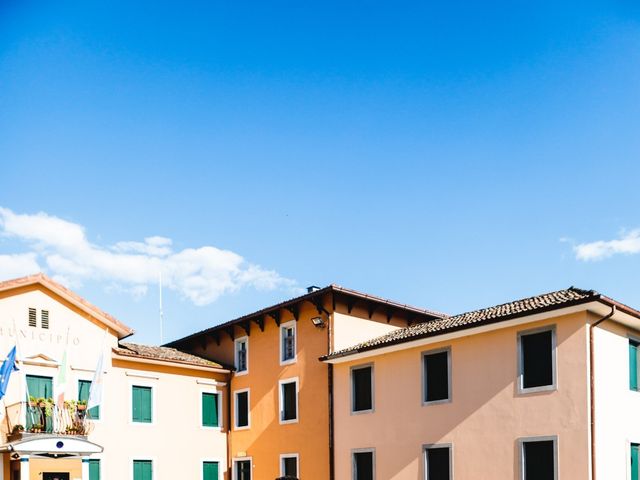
(539, 458)
(633, 364)
(94, 469)
(84, 387)
(39, 387)
(210, 410)
(32, 317)
(537, 360)
(436, 376)
(210, 470)
(288, 401)
(141, 398)
(363, 465)
(288, 342)
(44, 319)
(242, 470)
(242, 355)
(242, 409)
(437, 462)
(362, 388)
(635, 466)
(142, 470)
(289, 465)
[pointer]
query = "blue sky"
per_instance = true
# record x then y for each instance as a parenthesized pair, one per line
(451, 155)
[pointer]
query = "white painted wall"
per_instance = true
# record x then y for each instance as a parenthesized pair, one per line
(349, 330)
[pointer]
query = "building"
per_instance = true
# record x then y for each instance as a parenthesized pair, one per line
(162, 413)
(544, 388)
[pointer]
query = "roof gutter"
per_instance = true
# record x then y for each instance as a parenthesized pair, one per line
(592, 388)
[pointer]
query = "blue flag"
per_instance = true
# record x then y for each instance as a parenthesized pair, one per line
(6, 370)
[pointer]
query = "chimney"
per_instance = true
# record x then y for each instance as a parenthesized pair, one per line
(312, 289)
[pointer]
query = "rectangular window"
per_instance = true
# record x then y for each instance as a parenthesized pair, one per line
(288, 342)
(363, 465)
(142, 470)
(242, 355)
(94, 469)
(84, 387)
(538, 459)
(288, 401)
(289, 466)
(242, 409)
(436, 375)
(635, 466)
(32, 317)
(210, 471)
(44, 318)
(39, 387)
(242, 470)
(210, 410)
(362, 388)
(141, 398)
(437, 462)
(633, 364)
(537, 360)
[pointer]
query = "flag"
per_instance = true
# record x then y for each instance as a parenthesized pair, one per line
(8, 367)
(61, 381)
(95, 392)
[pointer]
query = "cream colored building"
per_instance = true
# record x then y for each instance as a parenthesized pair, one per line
(161, 414)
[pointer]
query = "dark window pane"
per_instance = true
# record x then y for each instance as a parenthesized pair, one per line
(243, 470)
(438, 464)
(363, 465)
(290, 465)
(242, 406)
(289, 411)
(362, 394)
(436, 382)
(538, 460)
(537, 359)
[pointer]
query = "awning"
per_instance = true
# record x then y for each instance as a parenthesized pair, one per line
(52, 446)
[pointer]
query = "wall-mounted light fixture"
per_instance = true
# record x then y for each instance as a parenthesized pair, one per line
(318, 322)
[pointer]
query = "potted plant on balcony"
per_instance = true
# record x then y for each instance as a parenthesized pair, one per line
(32, 401)
(82, 405)
(36, 428)
(17, 429)
(41, 402)
(48, 407)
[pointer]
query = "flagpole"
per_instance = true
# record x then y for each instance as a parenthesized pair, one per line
(161, 311)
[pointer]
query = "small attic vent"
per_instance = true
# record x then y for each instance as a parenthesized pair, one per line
(44, 318)
(32, 317)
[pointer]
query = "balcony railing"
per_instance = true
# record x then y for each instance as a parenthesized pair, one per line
(48, 418)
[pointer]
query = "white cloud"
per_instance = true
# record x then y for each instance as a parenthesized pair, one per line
(628, 243)
(198, 274)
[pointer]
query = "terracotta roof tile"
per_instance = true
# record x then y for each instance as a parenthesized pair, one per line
(165, 354)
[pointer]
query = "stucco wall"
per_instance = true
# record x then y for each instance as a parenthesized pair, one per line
(350, 330)
(486, 415)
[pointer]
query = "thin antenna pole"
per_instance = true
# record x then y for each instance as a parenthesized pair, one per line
(161, 311)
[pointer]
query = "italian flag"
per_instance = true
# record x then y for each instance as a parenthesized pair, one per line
(61, 381)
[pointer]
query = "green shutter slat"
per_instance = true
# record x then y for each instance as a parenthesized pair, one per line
(94, 469)
(210, 471)
(635, 468)
(209, 410)
(633, 366)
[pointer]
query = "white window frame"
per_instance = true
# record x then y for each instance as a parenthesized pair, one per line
(554, 366)
(141, 458)
(212, 460)
(291, 324)
(290, 455)
(220, 416)
(523, 440)
(234, 470)
(281, 400)
(353, 460)
(154, 413)
(433, 446)
(426, 353)
(636, 339)
(235, 409)
(245, 340)
(353, 393)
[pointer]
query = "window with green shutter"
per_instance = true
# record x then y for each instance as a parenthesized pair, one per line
(94, 469)
(210, 471)
(39, 387)
(142, 470)
(210, 410)
(141, 404)
(84, 387)
(633, 364)
(635, 468)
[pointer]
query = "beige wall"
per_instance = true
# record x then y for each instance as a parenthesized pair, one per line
(350, 330)
(486, 415)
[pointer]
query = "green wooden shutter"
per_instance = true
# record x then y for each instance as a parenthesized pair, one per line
(94, 469)
(635, 468)
(210, 471)
(210, 410)
(633, 365)
(84, 387)
(141, 404)
(142, 470)
(40, 387)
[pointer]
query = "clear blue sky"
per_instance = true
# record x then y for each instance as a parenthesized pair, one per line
(432, 152)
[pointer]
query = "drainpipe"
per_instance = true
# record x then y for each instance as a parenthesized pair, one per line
(229, 420)
(330, 387)
(592, 390)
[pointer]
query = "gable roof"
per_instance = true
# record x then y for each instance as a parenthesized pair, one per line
(164, 354)
(498, 313)
(116, 325)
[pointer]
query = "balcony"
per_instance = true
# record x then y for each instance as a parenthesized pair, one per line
(37, 417)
